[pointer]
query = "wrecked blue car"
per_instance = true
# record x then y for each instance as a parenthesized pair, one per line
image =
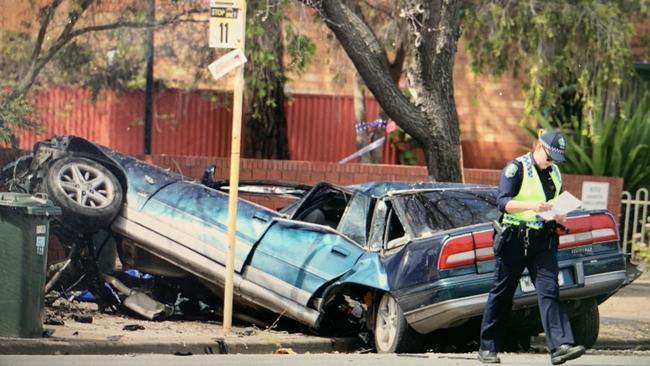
(393, 259)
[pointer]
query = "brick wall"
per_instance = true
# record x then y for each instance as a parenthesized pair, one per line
(314, 172)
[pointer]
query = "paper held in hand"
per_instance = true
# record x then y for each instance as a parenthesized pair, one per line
(563, 204)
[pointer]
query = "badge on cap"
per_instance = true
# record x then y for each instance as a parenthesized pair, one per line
(561, 142)
(511, 170)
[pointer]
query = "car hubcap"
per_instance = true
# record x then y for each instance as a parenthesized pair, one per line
(86, 186)
(386, 327)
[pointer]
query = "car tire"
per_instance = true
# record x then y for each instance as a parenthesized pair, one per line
(586, 325)
(391, 331)
(90, 196)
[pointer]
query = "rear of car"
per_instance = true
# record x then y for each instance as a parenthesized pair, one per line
(591, 265)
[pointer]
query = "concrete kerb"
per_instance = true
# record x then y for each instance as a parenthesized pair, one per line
(64, 346)
(607, 343)
(53, 346)
(642, 344)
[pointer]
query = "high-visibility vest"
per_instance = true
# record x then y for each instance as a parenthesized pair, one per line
(532, 191)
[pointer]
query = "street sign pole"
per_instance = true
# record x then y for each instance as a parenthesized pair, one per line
(227, 30)
(233, 194)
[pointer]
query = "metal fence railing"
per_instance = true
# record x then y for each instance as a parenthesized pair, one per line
(635, 219)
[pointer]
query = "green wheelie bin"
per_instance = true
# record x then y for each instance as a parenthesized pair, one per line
(24, 231)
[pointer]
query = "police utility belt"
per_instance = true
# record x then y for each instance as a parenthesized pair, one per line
(525, 230)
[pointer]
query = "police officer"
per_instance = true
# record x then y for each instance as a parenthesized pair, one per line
(528, 185)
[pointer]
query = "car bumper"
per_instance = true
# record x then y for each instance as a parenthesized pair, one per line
(448, 313)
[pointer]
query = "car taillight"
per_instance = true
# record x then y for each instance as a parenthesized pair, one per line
(463, 250)
(587, 230)
(483, 240)
(457, 251)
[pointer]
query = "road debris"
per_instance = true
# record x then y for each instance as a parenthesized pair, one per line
(133, 327)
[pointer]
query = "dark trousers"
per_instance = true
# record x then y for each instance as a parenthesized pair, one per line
(541, 262)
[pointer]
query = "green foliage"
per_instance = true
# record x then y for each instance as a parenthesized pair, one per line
(73, 61)
(266, 24)
(301, 50)
(15, 112)
(556, 42)
(117, 65)
(641, 245)
(113, 63)
(645, 43)
(617, 145)
(406, 146)
(109, 56)
(14, 55)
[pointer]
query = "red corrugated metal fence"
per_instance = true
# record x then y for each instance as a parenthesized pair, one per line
(320, 127)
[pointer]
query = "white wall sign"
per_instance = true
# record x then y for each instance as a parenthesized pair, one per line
(595, 195)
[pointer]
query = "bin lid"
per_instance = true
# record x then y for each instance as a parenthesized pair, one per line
(36, 204)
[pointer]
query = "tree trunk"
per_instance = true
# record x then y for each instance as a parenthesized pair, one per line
(266, 123)
(432, 119)
(361, 125)
(431, 74)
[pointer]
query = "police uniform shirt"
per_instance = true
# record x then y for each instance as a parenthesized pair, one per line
(511, 178)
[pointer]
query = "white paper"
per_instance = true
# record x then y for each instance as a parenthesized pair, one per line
(227, 63)
(563, 204)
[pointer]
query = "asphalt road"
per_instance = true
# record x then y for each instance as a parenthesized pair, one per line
(632, 359)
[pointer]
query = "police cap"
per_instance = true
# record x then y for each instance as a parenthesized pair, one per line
(554, 145)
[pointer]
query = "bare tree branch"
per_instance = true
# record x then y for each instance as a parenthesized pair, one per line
(177, 18)
(40, 61)
(47, 14)
(69, 33)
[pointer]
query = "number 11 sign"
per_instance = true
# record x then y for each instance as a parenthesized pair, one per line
(226, 24)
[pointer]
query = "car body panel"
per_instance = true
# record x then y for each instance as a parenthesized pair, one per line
(206, 269)
(304, 256)
(203, 213)
(143, 180)
(368, 271)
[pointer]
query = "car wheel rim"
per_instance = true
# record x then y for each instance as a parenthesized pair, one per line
(386, 327)
(85, 185)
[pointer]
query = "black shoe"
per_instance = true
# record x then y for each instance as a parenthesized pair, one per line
(488, 357)
(565, 353)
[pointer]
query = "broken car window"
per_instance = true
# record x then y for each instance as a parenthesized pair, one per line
(324, 205)
(376, 240)
(447, 209)
(355, 220)
(395, 234)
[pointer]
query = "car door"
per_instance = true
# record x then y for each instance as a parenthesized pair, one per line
(196, 218)
(296, 258)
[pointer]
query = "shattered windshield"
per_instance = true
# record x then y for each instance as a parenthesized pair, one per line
(356, 218)
(428, 212)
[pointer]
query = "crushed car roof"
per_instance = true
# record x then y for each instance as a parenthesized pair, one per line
(383, 188)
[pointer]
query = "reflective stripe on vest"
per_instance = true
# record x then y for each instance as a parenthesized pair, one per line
(531, 191)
